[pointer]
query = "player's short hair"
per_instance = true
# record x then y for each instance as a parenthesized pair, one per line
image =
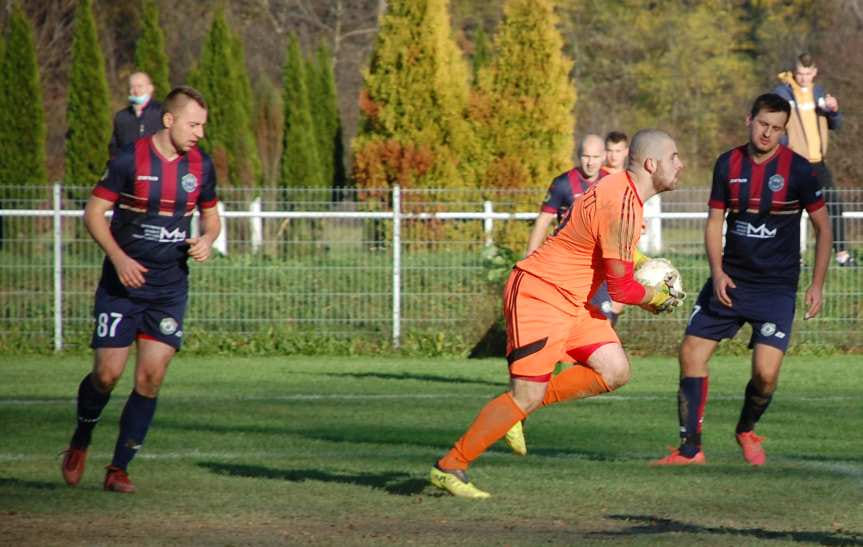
(615, 137)
(771, 102)
(180, 97)
(588, 137)
(646, 144)
(805, 60)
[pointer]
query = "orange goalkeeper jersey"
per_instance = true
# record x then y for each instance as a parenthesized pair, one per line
(604, 223)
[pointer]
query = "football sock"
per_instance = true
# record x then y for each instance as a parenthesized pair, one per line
(134, 423)
(576, 382)
(754, 405)
(490, 425)
(91, 401)
(691, 399)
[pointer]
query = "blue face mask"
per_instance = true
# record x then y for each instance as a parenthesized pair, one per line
(142, 99)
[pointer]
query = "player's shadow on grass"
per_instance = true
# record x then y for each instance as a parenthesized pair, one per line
(643, 525)
(35, 485)
(398, 483)
(420, 377)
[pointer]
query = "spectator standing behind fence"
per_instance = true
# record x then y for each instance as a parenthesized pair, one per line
(814, 113)
(153, 187)
(141, 118)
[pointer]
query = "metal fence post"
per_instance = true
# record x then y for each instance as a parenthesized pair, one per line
(397, 259)
(488, 222)
(256, 225)
(58, 267)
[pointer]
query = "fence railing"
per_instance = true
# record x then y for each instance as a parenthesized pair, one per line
(391, 263)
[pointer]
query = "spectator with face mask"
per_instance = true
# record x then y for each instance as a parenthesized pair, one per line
(141, 118)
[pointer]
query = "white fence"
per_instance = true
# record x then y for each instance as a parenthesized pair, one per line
(440, 233)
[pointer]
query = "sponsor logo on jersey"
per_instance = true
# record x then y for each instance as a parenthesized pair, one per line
(168, 326)
(147, 177)
(189, 182)
(735, 181)
(768, 329)
(161, 234)
(745, 229)
(776, 182)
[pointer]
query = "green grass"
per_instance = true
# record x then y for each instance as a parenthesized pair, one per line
(336, 450)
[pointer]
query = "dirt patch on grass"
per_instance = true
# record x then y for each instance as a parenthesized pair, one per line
(90, 529)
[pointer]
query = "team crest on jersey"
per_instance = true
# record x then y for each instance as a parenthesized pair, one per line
(189, 182)
(168, 326)
(768, 329)
(775, 183)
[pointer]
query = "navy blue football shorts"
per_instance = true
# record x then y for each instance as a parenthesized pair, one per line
(122, 319)
(602, 301)
(769, 310)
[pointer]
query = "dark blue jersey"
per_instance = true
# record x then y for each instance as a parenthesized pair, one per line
(764, 203)
(154, 200)
(564, 189)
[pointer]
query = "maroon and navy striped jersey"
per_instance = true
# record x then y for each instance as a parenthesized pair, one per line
(154, 200)
(764, 203)
(566, 188)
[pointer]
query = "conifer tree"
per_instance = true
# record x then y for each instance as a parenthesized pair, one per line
(150, 55)
(414, 101)
(22, 117)
(88, 114)
(244, 84)
(325, 115)
(269, 129)
(481, 53)
(220, 76)
(301, 166)
(524, 104)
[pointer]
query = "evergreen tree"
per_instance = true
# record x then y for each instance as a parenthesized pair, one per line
(325, 115)
(150, 55)
(524, 104)
(244, 84)
(221, 76)
(22, 117)
(88, 114)
(414, 130)
(481, 53)
(269, 129)
(301, 166)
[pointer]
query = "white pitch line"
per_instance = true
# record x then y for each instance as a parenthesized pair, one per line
(414, 396)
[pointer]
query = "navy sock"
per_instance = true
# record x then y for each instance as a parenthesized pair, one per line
(91, 401)
(691, 398)
(754, 405)
(134, 423)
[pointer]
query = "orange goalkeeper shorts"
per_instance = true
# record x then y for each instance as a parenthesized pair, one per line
(544, 325)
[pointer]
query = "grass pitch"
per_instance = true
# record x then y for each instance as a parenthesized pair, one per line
(336, 451)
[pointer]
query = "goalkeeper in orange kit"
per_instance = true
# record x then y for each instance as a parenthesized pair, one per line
(547, 312)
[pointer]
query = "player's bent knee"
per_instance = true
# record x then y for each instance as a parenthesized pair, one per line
(105, 380)
(617, 374)
(528, 392)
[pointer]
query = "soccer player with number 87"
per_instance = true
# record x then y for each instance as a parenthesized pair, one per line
(153, 188)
